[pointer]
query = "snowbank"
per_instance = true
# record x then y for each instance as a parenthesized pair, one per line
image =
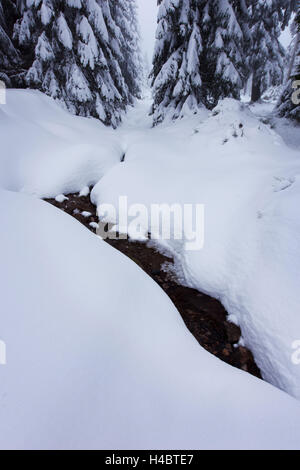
(46, 151)
(249, 181)
(98, 357)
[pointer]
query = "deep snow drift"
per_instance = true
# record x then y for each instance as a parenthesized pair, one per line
(98, 357)
(46, 151)
(249, 181)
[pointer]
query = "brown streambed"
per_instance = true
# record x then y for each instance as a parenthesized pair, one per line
(204, 316)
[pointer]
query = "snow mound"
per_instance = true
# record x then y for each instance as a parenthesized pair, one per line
(248, 180)
(46, 151)
(98, 357)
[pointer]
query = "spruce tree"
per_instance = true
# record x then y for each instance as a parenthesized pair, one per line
(288, 106)
(10, 59)
(76, 55)
(129, 54)
(199, 54)
(176, 67)
(207, 49)
(267, 54)
(225, 67)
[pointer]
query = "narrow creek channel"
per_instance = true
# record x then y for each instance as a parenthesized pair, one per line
(204, 316)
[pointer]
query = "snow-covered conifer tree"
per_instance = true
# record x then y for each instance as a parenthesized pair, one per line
(267, 55)
(124, 13)
(226, 34)
(199, 54)
(176, 76)
(9, 56)
(77, 51)
(287, 106)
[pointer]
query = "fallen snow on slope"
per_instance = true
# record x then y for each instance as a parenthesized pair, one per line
(249, 181)
(98, 356)
(242, 170)
(46, 151)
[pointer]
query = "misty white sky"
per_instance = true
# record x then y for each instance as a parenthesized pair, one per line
(148, 23)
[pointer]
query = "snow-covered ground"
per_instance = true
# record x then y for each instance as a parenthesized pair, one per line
(46, 151)
(97, 355)
(248, 178)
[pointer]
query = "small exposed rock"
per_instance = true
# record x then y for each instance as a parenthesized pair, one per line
(245, 354)
(226, 352)
(233, 332)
